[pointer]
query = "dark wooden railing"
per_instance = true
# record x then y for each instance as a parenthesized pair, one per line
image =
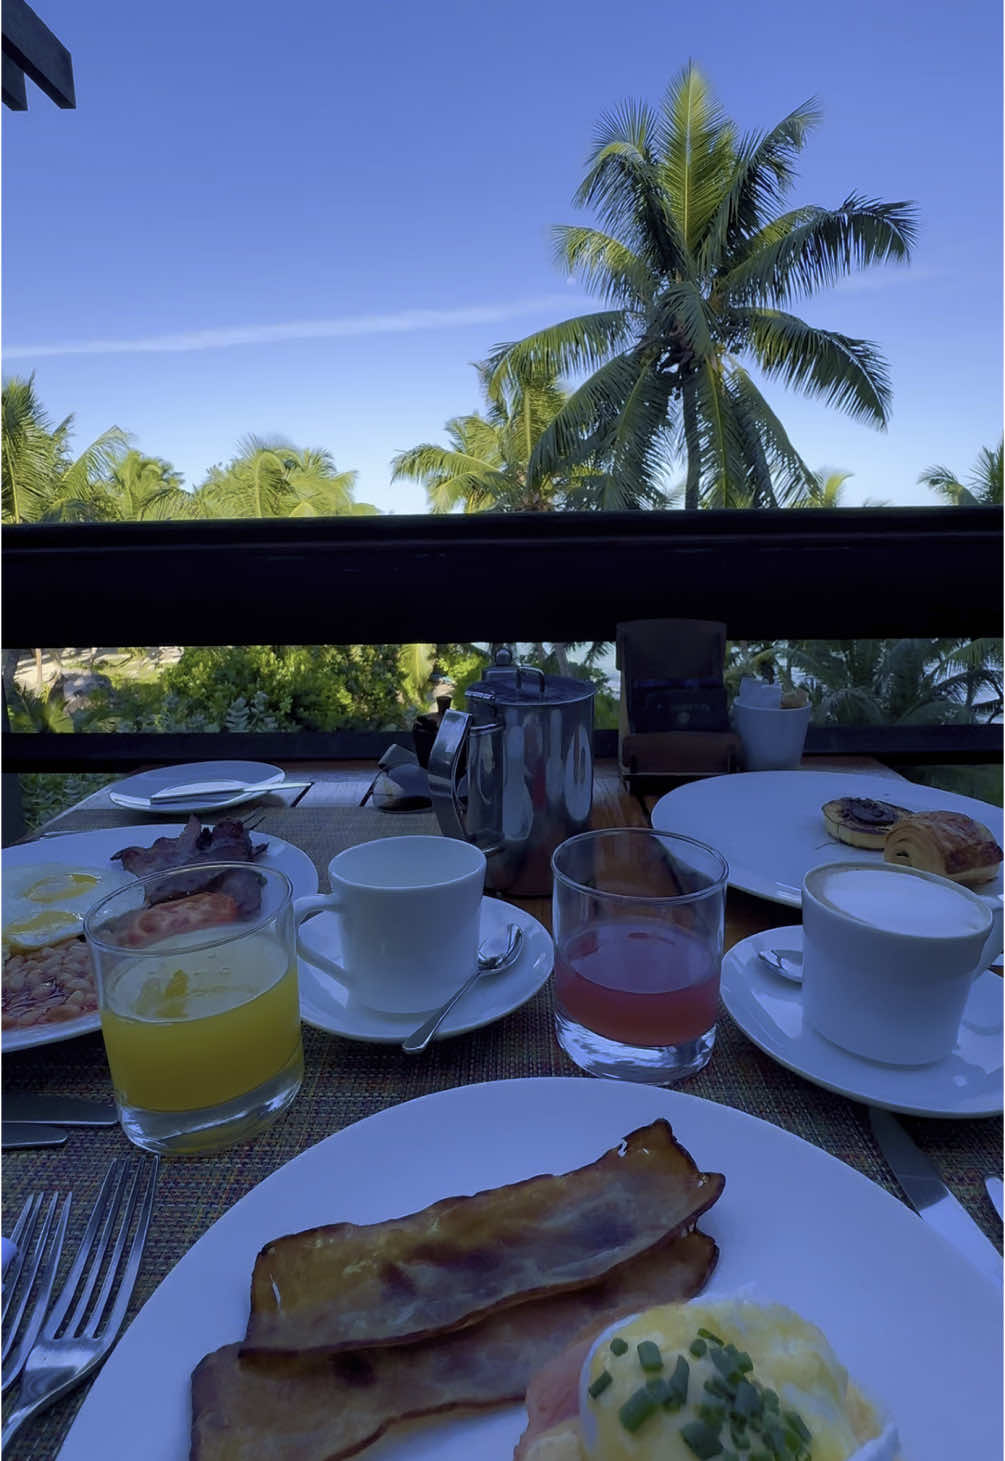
(842, 574)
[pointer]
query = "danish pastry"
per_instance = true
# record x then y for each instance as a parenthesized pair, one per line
(947, 843)
(861, 821)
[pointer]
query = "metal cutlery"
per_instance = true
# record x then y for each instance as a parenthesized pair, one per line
(994, 1191)
(15, 1134)
(21, 1106)
(59, 1361)
(191, 789)
(487, 964)
(930, 1197)
(787, 962)
(41, 1231)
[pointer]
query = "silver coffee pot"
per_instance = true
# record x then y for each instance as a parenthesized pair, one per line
(514, 773)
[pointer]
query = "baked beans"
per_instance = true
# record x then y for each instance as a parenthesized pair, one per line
(48, 986)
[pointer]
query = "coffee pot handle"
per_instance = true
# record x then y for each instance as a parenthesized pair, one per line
(442, 771)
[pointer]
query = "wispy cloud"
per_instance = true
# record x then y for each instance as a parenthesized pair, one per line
(400, 322)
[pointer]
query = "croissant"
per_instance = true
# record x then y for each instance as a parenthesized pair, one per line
(947, 843)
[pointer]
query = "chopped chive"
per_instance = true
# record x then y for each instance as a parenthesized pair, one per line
(718, 1387)
(659, 1389)
(746, 1401)
(702, 1440)
(599, 1385)
(679, 1378)
(698, 1348)
(739, 1437)
(618, 1345)
(636, 1409)
(744, 1362)
(649, 1355)
(707, 1334)
(795, 1420)
(770, 1400)
(712, 1415)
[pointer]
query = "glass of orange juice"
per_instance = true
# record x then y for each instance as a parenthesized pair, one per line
(638, 920)
(197, 990)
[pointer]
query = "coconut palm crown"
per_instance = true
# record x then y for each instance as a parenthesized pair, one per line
(700, 265)
(983, 487)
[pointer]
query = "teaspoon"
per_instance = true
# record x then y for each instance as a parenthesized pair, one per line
(787, 962)
(487, 964)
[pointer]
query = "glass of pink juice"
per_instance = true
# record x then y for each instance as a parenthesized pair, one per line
(638, 922)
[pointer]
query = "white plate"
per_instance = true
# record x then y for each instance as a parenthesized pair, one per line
(328, 1005)
(769, 1009)
(769, 827)
(89, 848)
(914, 1322)
(145, 783)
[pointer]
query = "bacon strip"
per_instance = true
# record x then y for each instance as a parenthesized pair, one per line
(346, 1286)
(269, 1407)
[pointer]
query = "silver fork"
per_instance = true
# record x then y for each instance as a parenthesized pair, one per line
(58, 1362)
(39, 1233)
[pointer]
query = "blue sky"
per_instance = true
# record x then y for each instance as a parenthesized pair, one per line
(315, 230)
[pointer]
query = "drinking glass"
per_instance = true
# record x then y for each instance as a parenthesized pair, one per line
(199, 1003)
(638, 924)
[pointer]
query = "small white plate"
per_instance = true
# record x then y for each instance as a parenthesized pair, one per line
(769, 1010)
(769, 827)
(90, 848)
(328, 1005)
(145, 783)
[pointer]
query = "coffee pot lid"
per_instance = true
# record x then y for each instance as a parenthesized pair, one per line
(515, 684)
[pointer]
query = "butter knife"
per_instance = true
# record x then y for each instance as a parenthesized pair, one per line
(931, 1198)
(29, 1133)
(19, 1106)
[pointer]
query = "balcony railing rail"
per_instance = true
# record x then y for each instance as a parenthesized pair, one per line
(570, 577)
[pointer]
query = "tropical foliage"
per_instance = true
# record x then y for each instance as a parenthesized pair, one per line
(274, 479)
(983, 487)
(699, 264)
(42, 481)
(491, 463)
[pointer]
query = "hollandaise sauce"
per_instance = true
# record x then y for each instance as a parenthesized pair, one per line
(729, 1382)
(191, 1030)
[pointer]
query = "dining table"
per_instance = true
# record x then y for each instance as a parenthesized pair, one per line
(346, 1080)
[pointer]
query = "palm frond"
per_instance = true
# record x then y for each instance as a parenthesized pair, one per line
(763, 173)
(604, 265)
(787, 473)
(800, 253)
(846, 373)
(571, 348)
(697, 145)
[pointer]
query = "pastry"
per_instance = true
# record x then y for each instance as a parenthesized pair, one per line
(861, 821)
(947, 843)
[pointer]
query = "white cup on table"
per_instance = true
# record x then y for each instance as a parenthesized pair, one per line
(408, 912)
(889, 958)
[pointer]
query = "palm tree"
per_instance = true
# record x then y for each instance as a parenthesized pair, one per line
(275, 479)
(826, 488)
(489, 464)
(985, 483)
(698, 267)
(41, 481)
(902, 681)
(142, 488)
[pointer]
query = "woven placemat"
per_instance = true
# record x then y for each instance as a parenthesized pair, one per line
(346, 1081)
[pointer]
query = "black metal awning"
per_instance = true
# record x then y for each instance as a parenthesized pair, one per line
(30, 49)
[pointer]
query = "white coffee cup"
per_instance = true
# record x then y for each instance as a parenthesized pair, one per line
(408, 911)
(889, 956)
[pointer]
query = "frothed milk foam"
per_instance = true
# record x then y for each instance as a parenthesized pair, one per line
(898, 902)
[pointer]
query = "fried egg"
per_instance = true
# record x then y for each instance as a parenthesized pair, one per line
(45, 903)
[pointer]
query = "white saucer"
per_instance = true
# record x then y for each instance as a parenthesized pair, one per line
(328, 1005)
(769, 1009)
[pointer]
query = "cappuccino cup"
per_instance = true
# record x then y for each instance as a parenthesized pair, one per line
(889, 956)
(408, 913)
